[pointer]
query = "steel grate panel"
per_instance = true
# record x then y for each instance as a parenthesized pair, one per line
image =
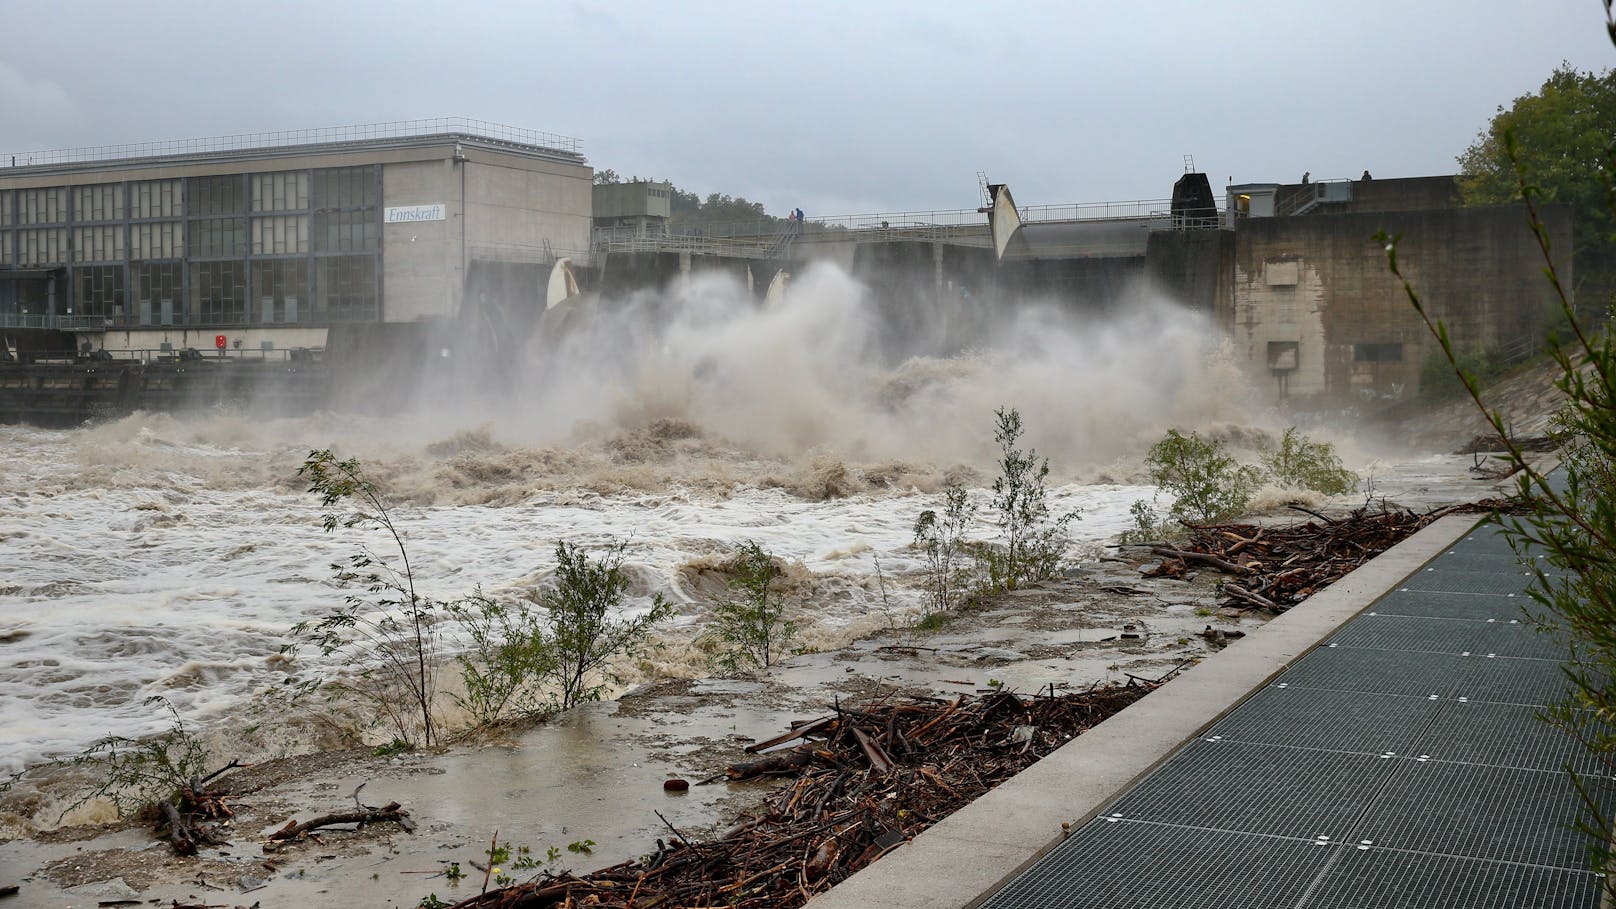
(1377, 671)
(1509, 680)
(1492, 544)
(1388, 879)
(1502, 735)
(1483, 812)
(1146, 866)
(1456, 560)
(1521, 639)
(1494, 582)
(1258, 789)
(1476, 812)
(1326, 719)
(1393, 632)
(1437, 605)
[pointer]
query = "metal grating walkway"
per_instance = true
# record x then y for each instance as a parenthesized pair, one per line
(1401, 764)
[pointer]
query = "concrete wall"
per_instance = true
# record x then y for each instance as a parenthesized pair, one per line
(1320, 282)
(1192, 267)
(1395, 194)
(525, 210)
(422, 274)
(502, 210)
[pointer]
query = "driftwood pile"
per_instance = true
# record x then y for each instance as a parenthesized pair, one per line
(1275, 568)
(193, 817)
(867, 780)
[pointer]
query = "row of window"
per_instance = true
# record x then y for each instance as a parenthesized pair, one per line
(342, 189)
(210, 238)
(269, 292)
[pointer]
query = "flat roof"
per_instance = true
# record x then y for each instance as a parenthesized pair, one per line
(257, 146)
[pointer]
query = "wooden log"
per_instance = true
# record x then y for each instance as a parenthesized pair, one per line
(1201, 557)
(388, 812)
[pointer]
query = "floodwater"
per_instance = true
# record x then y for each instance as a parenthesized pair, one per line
(160, 556)
(165, 556)
(153, 559)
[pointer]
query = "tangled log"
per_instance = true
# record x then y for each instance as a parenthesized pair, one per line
(867, 780)
(193, 817)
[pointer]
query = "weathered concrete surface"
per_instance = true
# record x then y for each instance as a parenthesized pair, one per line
(974, 850)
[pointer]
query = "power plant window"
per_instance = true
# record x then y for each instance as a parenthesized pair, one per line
(1377, 353)
(1282, 355)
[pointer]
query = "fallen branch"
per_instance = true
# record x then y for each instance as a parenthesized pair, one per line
(388, 812)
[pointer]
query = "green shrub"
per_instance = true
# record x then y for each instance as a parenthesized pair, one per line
(584, 632)
(749, 626)
(1147, 525)
(942, 539)
(1440, 379)
(135, 773)
(508, 661)
(1209, 484)
(1303, 463)
(1033, 541)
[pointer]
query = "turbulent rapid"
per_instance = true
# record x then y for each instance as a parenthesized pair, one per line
(169, 556)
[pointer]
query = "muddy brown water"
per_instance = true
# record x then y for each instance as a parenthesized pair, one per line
(595, 774)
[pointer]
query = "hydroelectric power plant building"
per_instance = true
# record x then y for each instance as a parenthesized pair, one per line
(269, 242)
(351, 266)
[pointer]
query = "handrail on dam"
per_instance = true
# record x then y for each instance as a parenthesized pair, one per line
(755, 238)
(1136, 209)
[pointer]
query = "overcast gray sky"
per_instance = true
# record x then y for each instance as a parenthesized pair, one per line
(840, 108)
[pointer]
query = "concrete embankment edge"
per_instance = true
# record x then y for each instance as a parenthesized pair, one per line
(972, 852)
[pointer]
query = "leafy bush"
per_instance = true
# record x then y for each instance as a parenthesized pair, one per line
(1033, 540)
(1209, 484)
(1439, 381)
(583, 631)
(942, 539)
(750, 626)
(1147, 525)
(1303, 463)
(509, 659)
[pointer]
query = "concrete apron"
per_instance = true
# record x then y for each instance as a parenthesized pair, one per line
(972, 852)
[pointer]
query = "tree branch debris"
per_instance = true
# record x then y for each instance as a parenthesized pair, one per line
(1279, 567)
(867, 780)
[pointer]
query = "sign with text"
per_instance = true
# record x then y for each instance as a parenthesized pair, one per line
(405, 214)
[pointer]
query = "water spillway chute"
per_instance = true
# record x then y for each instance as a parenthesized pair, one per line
(776, 294)
(1003, 219)
(563, 284)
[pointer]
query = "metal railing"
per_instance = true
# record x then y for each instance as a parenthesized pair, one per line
(26, 320)
(398, 129)
(940, 218)
(734, 247)
(108, 323)
(1311, 195)
(198, 355)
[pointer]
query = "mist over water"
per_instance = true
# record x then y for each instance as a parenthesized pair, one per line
(818, 370)
(166, 555)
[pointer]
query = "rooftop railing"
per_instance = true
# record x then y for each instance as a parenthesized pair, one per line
(398, 129)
